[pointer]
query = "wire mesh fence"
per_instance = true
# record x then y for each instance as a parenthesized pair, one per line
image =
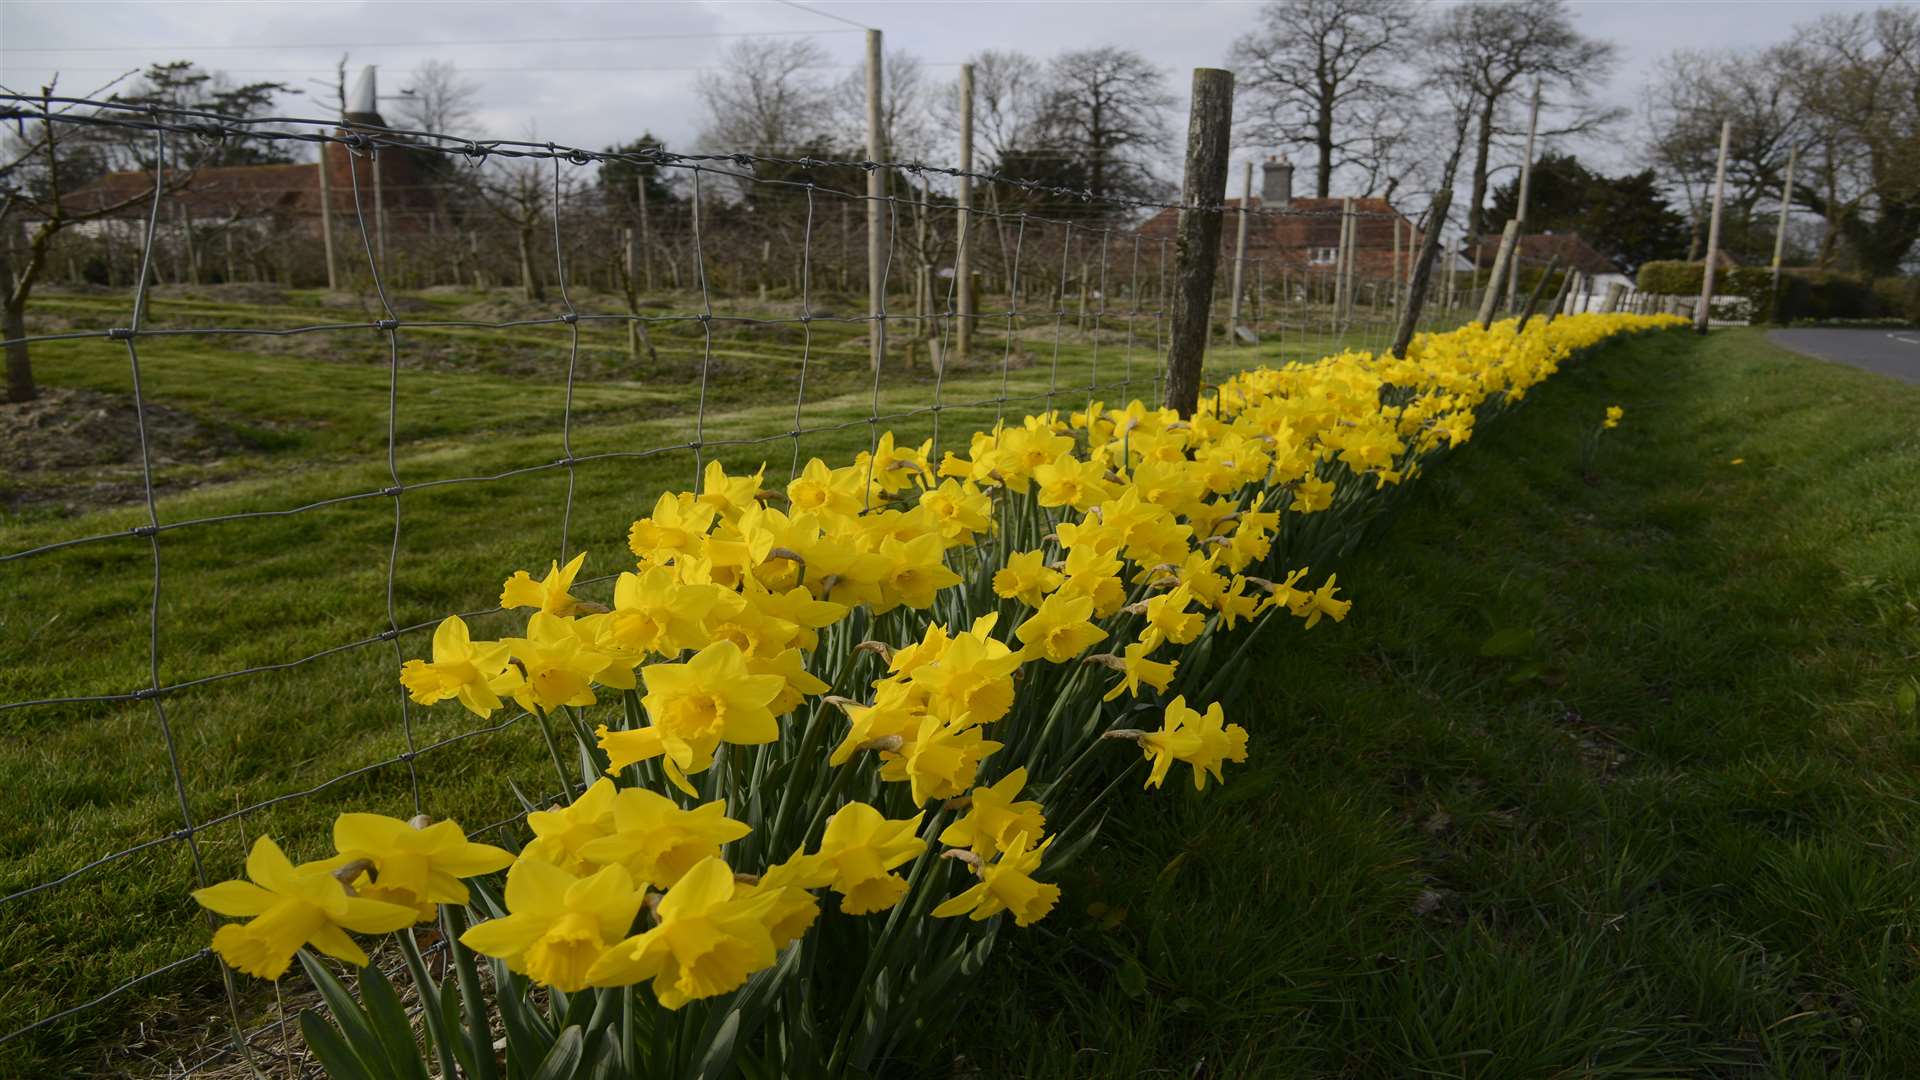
(199, 655)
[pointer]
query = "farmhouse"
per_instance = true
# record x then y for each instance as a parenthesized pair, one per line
(1287, 232)
(393, 187)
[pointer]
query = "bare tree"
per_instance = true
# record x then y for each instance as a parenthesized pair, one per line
(1008, 102)
(1859, 77)
(768, 97)
(1324, 74)
(520, 192)
(1688, 98)
(41, 167)
(439, 99)
(1495, 52)
(1107, 109)
(906, 123)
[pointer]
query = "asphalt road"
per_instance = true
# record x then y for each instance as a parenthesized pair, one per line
(1894, 353)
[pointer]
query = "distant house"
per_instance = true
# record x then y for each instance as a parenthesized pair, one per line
(1303, 234)
(1536, 248)
(284, 196)
(1574, 253)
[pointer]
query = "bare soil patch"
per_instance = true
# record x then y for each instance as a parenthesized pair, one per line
(73, 450)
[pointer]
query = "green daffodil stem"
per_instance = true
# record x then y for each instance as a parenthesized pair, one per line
(429, 1002)
(472, 1001)
(1073, 826)
(553, 751)
(928, 857)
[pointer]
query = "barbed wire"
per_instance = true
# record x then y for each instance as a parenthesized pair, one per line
(219, 127)
(1291, 305)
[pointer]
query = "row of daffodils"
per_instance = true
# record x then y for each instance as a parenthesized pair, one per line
(821, 739)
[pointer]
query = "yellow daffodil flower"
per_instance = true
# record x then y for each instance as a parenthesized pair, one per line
(1135, 669)
(993, 819)
(413, 867)
(860, 847)
(1006, 884)
(289, 906)
(548, 594)
(559, 666)
(696, 706)
(708, 942)
(559, 925)
(938, 759)
(559, 836)
(1027, 578)
(1310, 606)
(1202, 741)
(477, 673)
(1060, 629)
(657, 841)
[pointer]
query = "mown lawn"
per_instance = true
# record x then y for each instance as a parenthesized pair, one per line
(1668, 828)
(276, 590)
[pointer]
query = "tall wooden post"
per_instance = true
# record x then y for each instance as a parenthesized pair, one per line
(1342, 262)
(646, 234)
(190, 267)
(1705, 311)
(379, 213)
(1197, 247)
(1780, 231)
(1563, 300)
(876, 218)
(963, 237)
(1393, 275)
(1526, 188)
(1453, 260)
(1422, 271)
(1533, 298)
(326, 217)
(1240, 259)
(1491, 298)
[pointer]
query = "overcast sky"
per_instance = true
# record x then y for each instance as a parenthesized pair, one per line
(596, 73)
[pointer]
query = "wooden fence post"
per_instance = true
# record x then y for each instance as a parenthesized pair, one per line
(646, 234)
(1705, 311)
(1240, 260)
(1563, 299)
(1526, 188)
(1533, 298)
(1197, 247)
(1491, 298)
(1422, 271)
(876, 216)
(963, 238)
(1780, 232)
(326, 219)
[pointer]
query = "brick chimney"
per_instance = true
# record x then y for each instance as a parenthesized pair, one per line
(1276, 183)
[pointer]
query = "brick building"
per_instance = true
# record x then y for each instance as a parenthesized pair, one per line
(289, 196)
(1303, 234)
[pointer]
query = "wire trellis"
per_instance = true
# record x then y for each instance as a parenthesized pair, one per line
(1282, 297)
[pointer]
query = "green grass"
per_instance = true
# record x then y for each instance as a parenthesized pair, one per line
(312, 411)
(1670, 831)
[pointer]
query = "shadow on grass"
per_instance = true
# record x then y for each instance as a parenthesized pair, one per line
(1603, 776)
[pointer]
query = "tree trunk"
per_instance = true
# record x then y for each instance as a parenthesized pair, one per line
(1482, 149)
(529, 284)
(13, 325)
(1323, 142)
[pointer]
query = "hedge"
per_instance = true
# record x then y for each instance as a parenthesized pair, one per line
(1807, 295)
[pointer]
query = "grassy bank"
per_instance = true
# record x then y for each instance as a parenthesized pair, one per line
(1606, 775)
